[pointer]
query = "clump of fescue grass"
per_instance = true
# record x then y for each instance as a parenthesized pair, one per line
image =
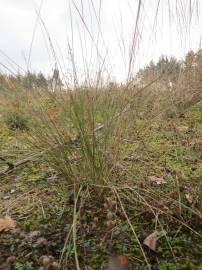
(81, 132)
(81, 135)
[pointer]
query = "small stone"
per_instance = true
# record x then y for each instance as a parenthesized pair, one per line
(13, 190)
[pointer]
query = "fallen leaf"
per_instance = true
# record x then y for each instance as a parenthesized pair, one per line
(118, 262)
(197, 144)
(7, 223)
(150, 241)
(189, 198)
(157, 180)
(172, 194)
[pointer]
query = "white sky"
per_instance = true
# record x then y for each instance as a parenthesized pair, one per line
(166, 29)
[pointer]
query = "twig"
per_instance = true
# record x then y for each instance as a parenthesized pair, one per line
(9, 164)
(12, 166)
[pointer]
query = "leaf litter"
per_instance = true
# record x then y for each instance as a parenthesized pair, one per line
(7, 223)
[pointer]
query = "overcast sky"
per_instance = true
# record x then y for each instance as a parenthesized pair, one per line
(97, 33)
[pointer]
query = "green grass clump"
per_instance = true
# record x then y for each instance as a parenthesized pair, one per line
(16, 121)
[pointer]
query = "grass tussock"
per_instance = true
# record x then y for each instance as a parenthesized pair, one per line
(121, 153)
(100, 167)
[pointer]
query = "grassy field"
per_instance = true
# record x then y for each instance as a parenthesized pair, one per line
(96, 173)
(101, 153)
